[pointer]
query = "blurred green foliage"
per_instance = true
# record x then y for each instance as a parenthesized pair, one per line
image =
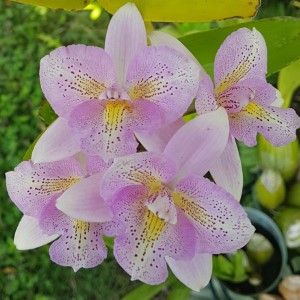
(27, 34)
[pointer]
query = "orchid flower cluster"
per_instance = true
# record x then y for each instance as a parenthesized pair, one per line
(86, 178)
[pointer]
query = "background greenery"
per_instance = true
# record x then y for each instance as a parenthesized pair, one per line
(27, 34)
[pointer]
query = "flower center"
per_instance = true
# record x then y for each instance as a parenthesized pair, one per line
(161, 204)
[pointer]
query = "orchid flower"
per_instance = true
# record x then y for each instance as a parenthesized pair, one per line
(37, 188)
(169, 213)
(107, 95)
(250, 102)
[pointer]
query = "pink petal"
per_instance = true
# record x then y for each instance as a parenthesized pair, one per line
(104, 128)
(126, 35)
(80, 244)
(235, 98)
(196, 145)
(95, 164)
(73, 74)
(56, 143)
(143, 168)
(220, 221)
(242, 55)
(32, 186)
(194, 273)
(147, 116)
(29, 235)
(227, 170)
(205, 98)
(82, 201)
(163, 76)
(157, 140)
(277, 125)
(253, 88)
(147, 239)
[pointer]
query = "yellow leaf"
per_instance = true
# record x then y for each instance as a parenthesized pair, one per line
(66, 4)
(189, 10)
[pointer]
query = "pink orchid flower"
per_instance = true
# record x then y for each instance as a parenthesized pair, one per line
(169, 213)
(107, 95)
(250, 102)
(72, 186)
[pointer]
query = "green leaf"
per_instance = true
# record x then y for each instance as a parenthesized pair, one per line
(47, 114)
(289, 81)
(188, 11)
(65, 4)
(109, 242)
(145, 291)
(179, 293)
(28, 152)
(281, 35)
(240, 262)
(222, 267)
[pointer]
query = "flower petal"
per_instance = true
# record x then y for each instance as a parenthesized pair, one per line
(29, 235)
(227, 170)
(159, 38)
(80, 244)
(163, 76)
(194, 273)
(143, 168)
(196, 145)
(126, 35)
(105, 128)
(56, 143)
(205, 99)
(277, 125)
(71, 75)
(157, 140)
(242, 55)
(263, 92)
(95, 164)
(221, 222)
(31, 186)
(147, 239)
(82, 201)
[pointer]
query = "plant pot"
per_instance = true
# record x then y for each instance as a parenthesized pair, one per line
(271, 272)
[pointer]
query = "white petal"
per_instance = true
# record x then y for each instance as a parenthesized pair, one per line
(195, 273)
(199, 143)
(56, 143)
(227, 170)
(156, 141)
(83, 201)
(29, 235)
(126, 34)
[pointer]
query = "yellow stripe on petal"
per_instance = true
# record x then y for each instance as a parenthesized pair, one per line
(145, 89)
(87, 86)
(258, 112)
(235, 76)
(150, 233)
(115, 111)
(47, 186)
(153, 227)
(81, 227)
(192, 209)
